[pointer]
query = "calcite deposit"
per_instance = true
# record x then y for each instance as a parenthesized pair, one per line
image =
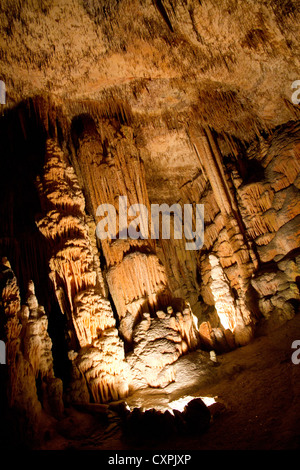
(158, 342)
(31, 385)
(141, 102)
(78, 283)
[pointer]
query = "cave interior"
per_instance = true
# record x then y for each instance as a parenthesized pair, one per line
(123, 342)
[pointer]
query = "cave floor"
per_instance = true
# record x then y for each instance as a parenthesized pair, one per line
(257, 387)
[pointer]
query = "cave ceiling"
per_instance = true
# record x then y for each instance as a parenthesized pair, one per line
(228, 65)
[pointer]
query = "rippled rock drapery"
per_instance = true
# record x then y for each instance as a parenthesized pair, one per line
(111, 166)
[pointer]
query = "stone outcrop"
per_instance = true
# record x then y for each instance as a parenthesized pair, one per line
(271, 211)
(268, 205)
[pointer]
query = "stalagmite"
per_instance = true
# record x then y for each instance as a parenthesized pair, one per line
(157, 343)
(32, 387)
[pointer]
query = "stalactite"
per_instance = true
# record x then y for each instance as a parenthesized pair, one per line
(111, 166)
(181, 269)
(108, 159)
(208, 162)
(139, 276)
(241, 252)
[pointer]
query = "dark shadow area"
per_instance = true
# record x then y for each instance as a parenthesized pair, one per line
(23, 137)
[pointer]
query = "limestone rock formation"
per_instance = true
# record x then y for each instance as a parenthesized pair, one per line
(98, 352)
(32, 388)
(112, 169)
(158, 342)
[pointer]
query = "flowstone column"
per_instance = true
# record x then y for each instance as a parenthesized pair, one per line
(95, 347)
